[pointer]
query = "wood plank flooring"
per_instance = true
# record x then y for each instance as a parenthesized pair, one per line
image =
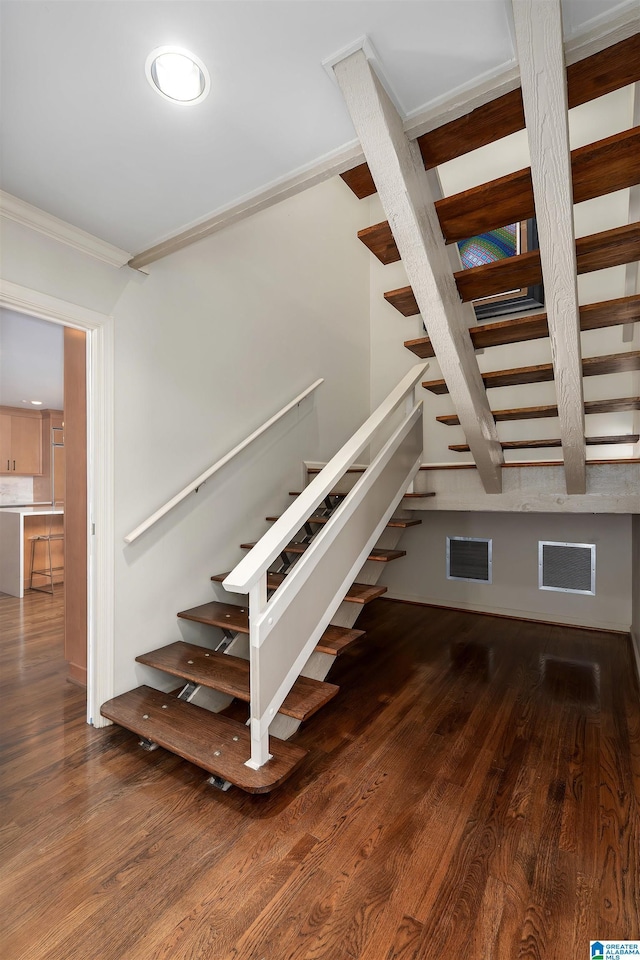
(473, 791)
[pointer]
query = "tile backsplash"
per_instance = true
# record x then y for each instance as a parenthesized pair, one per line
(16, 490)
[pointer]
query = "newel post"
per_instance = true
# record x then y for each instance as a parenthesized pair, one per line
(259, 738)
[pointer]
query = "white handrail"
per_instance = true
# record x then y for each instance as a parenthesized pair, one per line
(284, 629)
(190, 488)
(247, 573)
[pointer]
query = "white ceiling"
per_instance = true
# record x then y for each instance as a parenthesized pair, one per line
(86, 138)
(31, 361)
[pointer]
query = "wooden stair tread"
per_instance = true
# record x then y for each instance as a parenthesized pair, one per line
(602, 72)
(379, 554)
(597, 169)
(519, 464)
(311, 470)
(551, 410)
(335, 640)
(556, 442)
(217, 744)
(336, 493)
(609, 248)
(230, 617)
(230, 675)
(357, 592)
(398, 522)
(540, 373)
(593, 316)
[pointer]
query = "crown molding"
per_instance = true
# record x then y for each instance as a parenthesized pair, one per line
(12, 208)
(602, 32)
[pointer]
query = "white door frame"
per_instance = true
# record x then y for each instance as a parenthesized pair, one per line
(100, 486)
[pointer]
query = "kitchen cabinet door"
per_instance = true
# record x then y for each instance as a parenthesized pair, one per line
(20, 444)
(26, 445)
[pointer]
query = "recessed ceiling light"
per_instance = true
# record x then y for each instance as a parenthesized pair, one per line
(177, 75)
(36, 403)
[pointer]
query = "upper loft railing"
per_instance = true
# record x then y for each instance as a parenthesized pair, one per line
(193, 486)
(285, 629)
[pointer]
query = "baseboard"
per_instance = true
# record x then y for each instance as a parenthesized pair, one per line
(635, 645)
(617, 629)
(77, 674)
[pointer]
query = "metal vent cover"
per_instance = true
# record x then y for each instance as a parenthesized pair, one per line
(469, 558)
(567, 567)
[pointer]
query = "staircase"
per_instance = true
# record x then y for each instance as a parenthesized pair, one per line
(597, 169)
(347, 519)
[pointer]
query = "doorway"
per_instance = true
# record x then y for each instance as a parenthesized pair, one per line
(98, 588)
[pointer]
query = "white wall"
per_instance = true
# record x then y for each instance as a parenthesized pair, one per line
(217, 339)
(39, 263)
(207, 347)
(421, 575)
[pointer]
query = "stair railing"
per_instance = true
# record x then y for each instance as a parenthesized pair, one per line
(285, 629)
(193, 486)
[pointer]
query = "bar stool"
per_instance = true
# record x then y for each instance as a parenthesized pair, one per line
(45, 538)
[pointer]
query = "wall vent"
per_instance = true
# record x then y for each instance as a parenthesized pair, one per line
(567, 567)
(469, 558)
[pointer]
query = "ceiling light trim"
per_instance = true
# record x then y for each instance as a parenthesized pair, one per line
(12, 208)
(181, 51)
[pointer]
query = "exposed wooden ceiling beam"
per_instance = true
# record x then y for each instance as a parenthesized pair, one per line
(398, 172)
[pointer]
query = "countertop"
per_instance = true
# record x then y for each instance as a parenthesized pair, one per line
(42, 511)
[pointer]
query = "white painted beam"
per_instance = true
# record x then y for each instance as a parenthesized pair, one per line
(632, 269)
(398, 172)
(538, 28)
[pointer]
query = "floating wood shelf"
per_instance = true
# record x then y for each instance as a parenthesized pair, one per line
(227, 616)
(357, 592)
(598, 168)
(230, 675)
(591, 367)
(538, 444)
(217, 744)
(342, 493)
(551, 410)
(603, 72)
(593, 316)
(610, 248)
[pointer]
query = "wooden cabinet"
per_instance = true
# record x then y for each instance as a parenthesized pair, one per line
(20, 441)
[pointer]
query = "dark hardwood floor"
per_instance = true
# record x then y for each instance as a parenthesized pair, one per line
(472, 792)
